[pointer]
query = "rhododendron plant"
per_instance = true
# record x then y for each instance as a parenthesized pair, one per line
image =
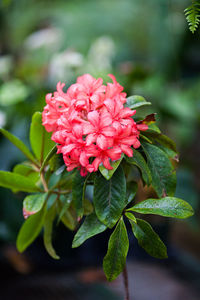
(92, 135)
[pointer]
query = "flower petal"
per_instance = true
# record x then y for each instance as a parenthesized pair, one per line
(102, 142)
(105, 119)
(108, 131)
(106, 163)
(91, 138)
(93, 117)
(129, 140)
(127, 150)
(83, 159)
(68, 148)
(114, 153)
(96, 163)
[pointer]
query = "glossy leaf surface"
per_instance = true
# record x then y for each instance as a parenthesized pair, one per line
(148, 239)
(90, 227)
(167, 207)
(162, 171)
(115, 259)
(110, 197)
(17, 182)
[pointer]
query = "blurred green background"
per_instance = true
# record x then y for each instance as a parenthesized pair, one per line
(146, 44)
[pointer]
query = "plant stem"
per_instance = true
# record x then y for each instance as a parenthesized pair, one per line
(60, 192)
(125, 277)
(44, 182)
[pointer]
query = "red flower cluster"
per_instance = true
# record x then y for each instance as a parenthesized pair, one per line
(90, 123)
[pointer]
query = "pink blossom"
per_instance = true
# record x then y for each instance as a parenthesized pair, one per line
(90, 124)
(98, 129)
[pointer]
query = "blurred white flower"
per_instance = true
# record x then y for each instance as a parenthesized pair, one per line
(2, 119)
(12, 92)
(44, 38)
(64, 65)
(101, 54)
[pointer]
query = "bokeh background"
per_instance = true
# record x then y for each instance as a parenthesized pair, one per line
(146, 44)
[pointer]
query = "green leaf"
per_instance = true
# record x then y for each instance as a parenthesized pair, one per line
(69, 220)
(115, 259)
(17, 182)
(90, 227)
(34, 203)
(19, 144)
(40, 139)
(162, 139)
(48, 157)
(27, 171)
(130, 216)
(148, 239)
(109, 173)
(53, 179)
(110, 197)
(78, 192)
(56, 162)
(131, 190)
(167, 207)
(135, 101)
(138, 160)
(153, 128)
(69, 216)
(164, 142)
(87, 207)
(170, 153)
(30, 230)
(66, 200)
(66, 180)
(48, 228)
(162, 171)
(146, 139)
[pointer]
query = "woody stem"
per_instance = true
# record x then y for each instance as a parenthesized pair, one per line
(125, 278)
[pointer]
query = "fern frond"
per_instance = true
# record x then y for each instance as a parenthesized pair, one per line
(192, 14)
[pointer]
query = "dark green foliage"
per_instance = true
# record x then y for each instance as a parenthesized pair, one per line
(90, 227)
(131, 190)
(109, 197)
(162, 171)
(166, 207)
(115, 259)
(148, 239)
(78, 192)
(139, 161)
(66, 201)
